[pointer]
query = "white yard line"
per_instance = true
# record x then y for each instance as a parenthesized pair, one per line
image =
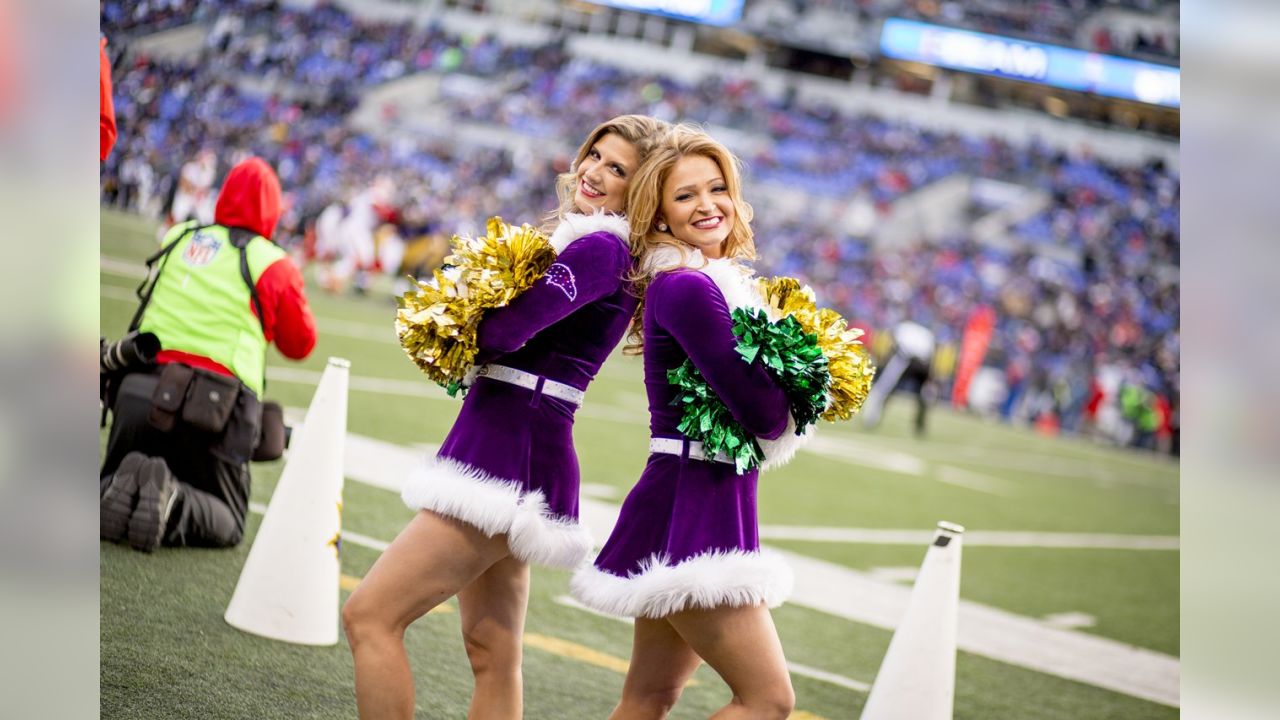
(360, 331)
(364, 541)
(111, 292)
(348, 536)
(1039, 463)
(123, 268)
(973, 538)
(983, 630)
(570, 601)
(861, 453)
(361, 383)
(1070, 620)
(828, 677)
(974, 481)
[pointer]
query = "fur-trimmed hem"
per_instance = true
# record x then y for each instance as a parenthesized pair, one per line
(463, 492)
(494, 506)
(779, 452)
(574, 225)
(734, 578)
(540, 538)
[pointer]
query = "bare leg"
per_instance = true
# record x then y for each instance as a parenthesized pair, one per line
(661, 663)
(493, 610)
(430, 561)
(742, 645)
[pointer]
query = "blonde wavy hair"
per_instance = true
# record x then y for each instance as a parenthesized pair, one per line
(644, 202)
(639, 130)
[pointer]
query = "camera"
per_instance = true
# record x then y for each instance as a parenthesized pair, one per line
(133, 350)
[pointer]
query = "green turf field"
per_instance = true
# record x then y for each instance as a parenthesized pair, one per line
(167, 653)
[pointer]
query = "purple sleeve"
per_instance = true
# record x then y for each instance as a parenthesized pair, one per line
(589, 269)
(692, 309)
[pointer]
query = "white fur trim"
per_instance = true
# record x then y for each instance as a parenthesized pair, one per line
(735, 280)
(670, 256)
(540, 538)
(456, 489)
(734, 578)
(493, 505)
(573, 226)
(779, 452)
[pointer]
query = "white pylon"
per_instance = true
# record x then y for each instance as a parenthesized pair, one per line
(917, 677)
(288, 589)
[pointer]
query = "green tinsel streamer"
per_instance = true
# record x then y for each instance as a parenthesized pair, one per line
(706, 419)
(791, 356)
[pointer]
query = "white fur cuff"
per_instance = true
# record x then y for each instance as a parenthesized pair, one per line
(779, 452)
(495, 506)
(714, 579)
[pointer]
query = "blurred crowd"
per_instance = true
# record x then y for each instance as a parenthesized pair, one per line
(1051, 21)
(1074, 338)
(1056, 22)
(139, 17)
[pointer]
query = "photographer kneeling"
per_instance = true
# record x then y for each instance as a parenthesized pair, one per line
(176, 471)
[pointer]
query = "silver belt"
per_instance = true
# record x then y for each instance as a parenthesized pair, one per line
(528, 380)
(672, 446)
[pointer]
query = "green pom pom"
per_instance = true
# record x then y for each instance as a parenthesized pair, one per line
(706, 419)
(793, 358)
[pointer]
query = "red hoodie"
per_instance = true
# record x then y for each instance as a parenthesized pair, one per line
(250, 199)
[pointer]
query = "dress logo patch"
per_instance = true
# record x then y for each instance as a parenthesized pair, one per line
(562, 277)
(201, 250)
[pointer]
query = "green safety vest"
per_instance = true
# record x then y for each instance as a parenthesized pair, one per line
(201, 303)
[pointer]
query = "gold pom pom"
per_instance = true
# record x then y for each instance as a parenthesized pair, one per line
(786, 296)
(847, 359)
(438, 322)
(502, 263)
(851, 368)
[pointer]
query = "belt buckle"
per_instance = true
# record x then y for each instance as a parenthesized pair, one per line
(483, 371)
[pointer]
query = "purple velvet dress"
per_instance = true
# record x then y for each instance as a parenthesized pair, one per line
(508, 464)
(687, 536)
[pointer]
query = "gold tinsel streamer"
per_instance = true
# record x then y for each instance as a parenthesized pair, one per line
(851, 368)
(437, 323)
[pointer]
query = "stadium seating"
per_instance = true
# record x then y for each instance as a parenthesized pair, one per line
(285, 87)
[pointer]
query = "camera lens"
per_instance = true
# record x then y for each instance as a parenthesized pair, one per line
(129, 351)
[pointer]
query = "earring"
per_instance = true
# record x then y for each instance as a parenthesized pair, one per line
(662, 227)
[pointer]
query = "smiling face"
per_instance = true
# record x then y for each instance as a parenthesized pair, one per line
(603, 175)
(696, 206)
